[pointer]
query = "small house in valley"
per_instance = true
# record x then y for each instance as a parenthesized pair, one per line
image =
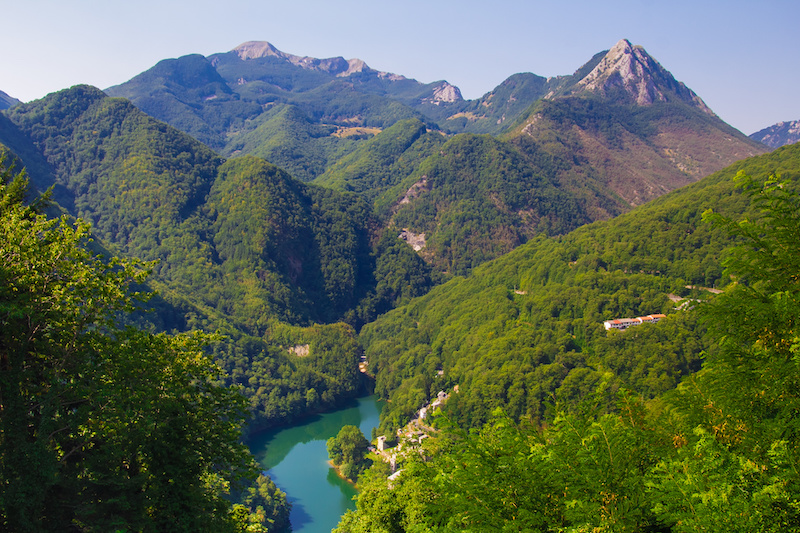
(625, 323)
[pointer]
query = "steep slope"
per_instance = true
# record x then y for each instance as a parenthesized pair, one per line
(498, 109)
(7, 101)
(643, 132)
(619, 132)
(383, 161)
(628, 74)
(225, 101)
(135, 179)
(526, 329)
(238, 246)
(779, 134)
(476, 198)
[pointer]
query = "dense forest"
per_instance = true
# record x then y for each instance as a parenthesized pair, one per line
(526, 330)
(162, 296)
(236, 246)
(717, 452)
(106, 427)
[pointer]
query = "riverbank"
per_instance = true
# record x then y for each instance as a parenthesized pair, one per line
(296, 458)
(342, 476)
(254, 430)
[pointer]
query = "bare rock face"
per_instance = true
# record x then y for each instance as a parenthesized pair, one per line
(629, 70)
(256, 50)
(415, 240)
(778, 135)
(337, 66)
(415, 190)
(444, 93)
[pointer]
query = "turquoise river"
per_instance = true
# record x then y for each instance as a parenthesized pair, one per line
(296, 458)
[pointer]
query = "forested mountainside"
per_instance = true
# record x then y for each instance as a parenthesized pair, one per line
(525, 331)
(290, 250)
(779, 134)
(583, 429)
(304, 114)
(107, 426)
(239, 246)
(7, 101)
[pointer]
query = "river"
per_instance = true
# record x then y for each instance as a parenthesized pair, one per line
(296, 458)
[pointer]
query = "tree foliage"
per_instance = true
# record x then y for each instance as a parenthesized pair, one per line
(348, 452)
(719, 452)
(103, 427)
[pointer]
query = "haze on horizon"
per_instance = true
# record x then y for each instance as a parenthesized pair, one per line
(738, 56)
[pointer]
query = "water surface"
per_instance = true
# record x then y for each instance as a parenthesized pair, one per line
(296, 458)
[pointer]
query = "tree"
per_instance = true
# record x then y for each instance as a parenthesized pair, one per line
(348, 451)
(103, 427)
(736, 465)
(267, 502)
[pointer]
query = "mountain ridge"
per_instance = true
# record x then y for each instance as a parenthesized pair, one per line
(630, 70)
(780, 134)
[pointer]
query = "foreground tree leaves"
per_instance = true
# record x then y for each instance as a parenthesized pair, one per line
(718, 453)
(103, 428)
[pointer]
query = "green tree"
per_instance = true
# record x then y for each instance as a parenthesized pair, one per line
(348, 451)
(103, 427)
(736, 463)
(267, 502)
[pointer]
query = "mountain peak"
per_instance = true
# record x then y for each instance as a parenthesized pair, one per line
(779, 134)
(338, 66)
(256, 50)
(629, 73)
(444, 93)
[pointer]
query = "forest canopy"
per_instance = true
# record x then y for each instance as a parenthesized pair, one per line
(103, 427)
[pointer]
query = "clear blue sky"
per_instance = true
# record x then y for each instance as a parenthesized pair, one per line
(741, 57)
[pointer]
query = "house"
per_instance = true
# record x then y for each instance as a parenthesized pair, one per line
(625, 323)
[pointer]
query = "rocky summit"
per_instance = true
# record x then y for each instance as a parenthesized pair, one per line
(629, 73)
(779, 134)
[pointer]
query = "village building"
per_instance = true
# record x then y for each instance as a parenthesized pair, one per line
(625, 323)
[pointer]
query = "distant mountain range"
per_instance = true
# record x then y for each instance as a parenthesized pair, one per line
(7, 101)
(315, 210)
(566, 150)
(778, 135)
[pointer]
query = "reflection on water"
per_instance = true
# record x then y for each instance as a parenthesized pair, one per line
(296, 458)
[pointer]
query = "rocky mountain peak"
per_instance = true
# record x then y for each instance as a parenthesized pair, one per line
(256, 50)
(444, 93)
(337, 66)
(779, 134)
(629, 73)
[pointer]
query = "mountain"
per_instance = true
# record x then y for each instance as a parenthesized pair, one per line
(779, 134)
(239, 246)
(383, 161)
(7, 101)
(627, 74)
(302, 113)
(626, 120)
(618, 133)
(526, 330)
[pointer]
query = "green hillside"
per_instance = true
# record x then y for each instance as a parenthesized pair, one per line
(579, 429)
(238, 246)
(382, 162)
(476, 199)
(265, 106)
(527, 329)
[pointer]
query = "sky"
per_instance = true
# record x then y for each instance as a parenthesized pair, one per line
(740, 57)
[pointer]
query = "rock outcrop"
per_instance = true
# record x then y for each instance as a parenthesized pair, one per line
(779, 134)
(630, 74)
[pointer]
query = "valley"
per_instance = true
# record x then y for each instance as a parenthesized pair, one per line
(312, 215)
